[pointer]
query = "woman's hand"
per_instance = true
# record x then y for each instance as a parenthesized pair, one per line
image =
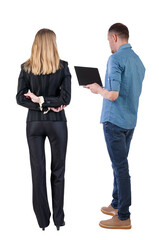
(58, 109)
(33, 97)
(36, 99)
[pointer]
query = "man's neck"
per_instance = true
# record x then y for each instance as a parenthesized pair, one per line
(121, 43)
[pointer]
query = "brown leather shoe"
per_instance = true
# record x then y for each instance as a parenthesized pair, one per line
(109, 210)
(116, 223)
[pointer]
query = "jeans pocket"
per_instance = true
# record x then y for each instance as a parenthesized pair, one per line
(105, 123)
(107, 127)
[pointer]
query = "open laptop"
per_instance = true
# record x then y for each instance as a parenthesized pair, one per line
(87, 75)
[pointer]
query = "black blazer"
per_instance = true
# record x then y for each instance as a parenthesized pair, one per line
(54, 87)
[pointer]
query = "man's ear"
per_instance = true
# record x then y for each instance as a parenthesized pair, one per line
(115, 37)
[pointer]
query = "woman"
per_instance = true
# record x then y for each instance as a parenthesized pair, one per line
(44, 87)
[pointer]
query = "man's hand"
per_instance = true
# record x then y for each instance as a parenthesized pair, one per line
(110, 95)
(95, 88)
(58, 109)
(33, 97)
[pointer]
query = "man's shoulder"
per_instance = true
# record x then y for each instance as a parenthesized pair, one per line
(123, 55)
(114, 59)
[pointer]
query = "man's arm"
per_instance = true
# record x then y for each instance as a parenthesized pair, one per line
(110, 95)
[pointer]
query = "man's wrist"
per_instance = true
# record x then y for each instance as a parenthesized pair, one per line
(102, 91)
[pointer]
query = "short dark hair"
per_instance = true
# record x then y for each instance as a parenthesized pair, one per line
(120, 29)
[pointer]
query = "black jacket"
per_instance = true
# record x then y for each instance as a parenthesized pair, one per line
(54, 87)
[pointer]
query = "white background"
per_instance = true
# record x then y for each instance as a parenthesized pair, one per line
(81, 29)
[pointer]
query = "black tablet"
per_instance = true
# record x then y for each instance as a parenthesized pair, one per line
(87, 75)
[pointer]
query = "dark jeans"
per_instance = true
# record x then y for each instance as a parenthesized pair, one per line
(118, 142)
(57, 134)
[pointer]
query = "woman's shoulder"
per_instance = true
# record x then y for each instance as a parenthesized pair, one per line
(23, 67)
(63, 63)
(23, 70)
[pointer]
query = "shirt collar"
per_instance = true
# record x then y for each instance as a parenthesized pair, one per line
(125, 46)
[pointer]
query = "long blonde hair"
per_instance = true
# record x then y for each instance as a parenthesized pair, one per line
(44, 57)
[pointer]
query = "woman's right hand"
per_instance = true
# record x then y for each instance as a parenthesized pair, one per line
(58, 109)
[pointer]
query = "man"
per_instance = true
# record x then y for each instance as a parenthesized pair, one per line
(123, 84)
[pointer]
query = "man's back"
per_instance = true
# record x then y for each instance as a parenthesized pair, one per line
(125, 73)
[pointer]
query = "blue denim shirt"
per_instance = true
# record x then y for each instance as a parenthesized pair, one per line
(125, 73)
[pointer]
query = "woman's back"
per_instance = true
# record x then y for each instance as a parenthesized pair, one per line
(54, 87)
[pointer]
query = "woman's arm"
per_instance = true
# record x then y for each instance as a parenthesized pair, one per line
(23, 89)
(40, 100)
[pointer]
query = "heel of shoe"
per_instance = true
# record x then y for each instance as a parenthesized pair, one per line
(58, 227)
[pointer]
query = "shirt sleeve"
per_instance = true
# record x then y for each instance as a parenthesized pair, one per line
(65, 91)
(114, 74)
(22, 89)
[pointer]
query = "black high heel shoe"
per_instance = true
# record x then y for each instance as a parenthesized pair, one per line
(58, 227)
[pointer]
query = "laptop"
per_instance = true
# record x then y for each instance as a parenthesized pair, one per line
(87, 75)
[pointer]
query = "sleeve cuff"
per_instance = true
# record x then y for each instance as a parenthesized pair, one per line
(114, 85)
(48, 109)
(41, 102)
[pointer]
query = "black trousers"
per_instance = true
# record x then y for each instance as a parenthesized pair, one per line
(57, 134)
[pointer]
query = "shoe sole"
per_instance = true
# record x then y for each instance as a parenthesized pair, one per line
(116, 227)
(108, 213)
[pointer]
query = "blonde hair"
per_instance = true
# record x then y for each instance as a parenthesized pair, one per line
(44, 57)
